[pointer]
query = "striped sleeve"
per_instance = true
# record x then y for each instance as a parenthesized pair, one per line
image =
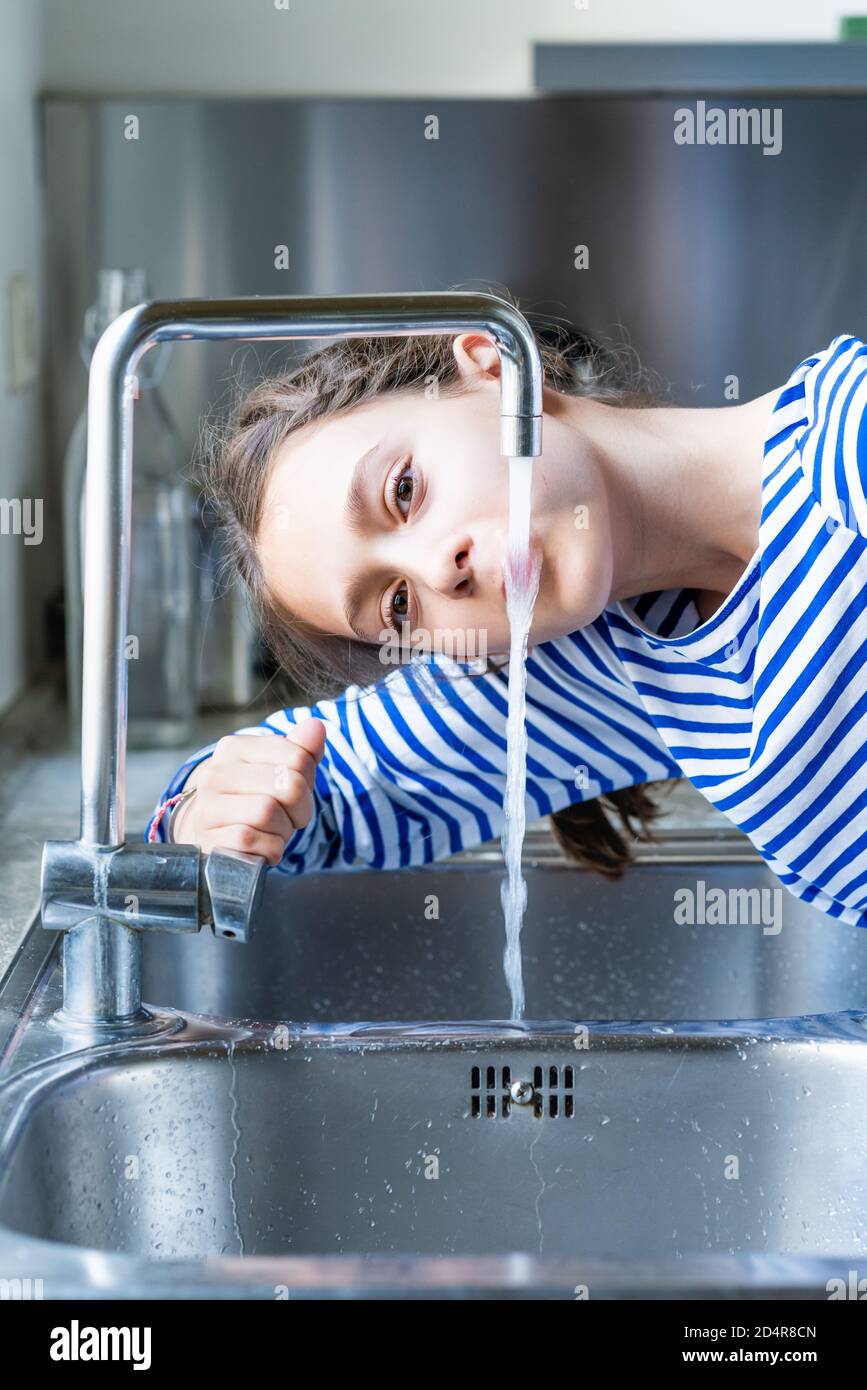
(404, 779)
(833, 442)
(414, 768)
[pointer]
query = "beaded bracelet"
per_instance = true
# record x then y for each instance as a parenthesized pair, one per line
(167, 806)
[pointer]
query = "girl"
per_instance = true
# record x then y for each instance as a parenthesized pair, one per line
(700, 612)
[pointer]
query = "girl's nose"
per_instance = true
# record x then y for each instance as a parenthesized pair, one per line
(453, 573)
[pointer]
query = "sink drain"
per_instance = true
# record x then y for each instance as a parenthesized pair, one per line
(543, 1091)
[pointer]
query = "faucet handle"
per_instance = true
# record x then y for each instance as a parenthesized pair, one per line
(232, 886)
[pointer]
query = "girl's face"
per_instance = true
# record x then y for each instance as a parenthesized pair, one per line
(397, 512)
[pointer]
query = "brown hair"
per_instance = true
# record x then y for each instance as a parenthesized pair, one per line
(348, 373)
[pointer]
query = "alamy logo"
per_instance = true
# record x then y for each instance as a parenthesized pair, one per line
(16, 1290)
(77, 1343)
(738, 125)
(718, 907)
(851, 517)
(467, 646)
(22, 516)
(851, 1287)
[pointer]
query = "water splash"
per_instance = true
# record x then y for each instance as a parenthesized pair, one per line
(521, 571)
(236, 1140)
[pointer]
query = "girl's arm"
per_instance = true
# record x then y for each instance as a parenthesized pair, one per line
(414, 769)
(396, 785)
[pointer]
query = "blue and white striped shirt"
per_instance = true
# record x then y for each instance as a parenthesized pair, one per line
(763, 707)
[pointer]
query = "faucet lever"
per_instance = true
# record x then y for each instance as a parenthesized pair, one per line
(151, 887)
(232, 885)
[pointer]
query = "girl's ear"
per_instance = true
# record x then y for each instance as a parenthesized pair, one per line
(477, 358)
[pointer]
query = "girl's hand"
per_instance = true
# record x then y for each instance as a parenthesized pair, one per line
(252, 793)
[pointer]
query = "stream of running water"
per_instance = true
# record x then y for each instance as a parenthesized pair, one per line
(521, 572)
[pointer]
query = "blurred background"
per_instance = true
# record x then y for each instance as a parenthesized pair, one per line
(214, 148)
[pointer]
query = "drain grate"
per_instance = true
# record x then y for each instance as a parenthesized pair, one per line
(544, 1091)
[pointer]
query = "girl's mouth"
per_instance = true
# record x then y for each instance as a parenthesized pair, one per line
(520, 569)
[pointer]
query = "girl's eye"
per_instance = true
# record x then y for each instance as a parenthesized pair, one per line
(397, 607)
(401, 494)
(403, 490)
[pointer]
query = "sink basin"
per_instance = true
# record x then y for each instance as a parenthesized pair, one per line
(636, 1146)
(684, 1116)
(352, 947)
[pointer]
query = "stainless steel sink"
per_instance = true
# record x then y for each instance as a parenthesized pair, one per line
(362, 947)
(414, 1146)
(687, 1117)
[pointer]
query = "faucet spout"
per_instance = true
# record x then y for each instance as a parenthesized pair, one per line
(101, 954)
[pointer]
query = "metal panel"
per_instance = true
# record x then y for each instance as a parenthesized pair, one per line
(711, 261)
(714, 260)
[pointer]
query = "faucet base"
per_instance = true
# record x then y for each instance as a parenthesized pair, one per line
(146, 1023)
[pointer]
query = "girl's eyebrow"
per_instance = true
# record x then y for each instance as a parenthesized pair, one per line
(358, 511)
(353, 603)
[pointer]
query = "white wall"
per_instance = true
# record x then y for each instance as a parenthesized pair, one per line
(385, 47)
(22, 461)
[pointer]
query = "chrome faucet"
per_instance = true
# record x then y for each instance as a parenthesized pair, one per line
(98, 890)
